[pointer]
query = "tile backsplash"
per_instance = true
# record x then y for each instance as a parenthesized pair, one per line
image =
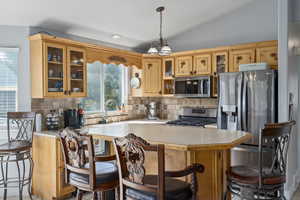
(168, 107)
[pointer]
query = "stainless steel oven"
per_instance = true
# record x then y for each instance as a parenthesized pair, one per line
(199, 86)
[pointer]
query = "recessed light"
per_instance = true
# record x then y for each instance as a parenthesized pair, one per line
(116, 36)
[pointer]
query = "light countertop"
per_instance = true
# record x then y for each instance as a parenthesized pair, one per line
(174, 137)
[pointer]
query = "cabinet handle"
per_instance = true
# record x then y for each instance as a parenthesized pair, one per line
(159, 92)
(215, 73)
(203, 62)
(195, 72)
(191, 72)
(173, 76)
(149, 66)
(65, 92)
(182, 64)
(69, 92)
(274, 55)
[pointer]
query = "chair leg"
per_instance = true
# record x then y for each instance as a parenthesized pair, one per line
(95, 196)
(79, 195)
(102, 195)
(117, 193)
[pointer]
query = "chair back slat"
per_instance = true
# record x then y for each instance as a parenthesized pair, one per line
(131, 159)
(78, 152)
(20, 126)
(275, 137)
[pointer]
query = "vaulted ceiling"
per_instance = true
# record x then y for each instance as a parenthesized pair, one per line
(134, 20)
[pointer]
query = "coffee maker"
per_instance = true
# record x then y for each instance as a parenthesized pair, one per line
(73, 118)
(152, 109)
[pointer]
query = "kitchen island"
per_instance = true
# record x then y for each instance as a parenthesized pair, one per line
(184, 145)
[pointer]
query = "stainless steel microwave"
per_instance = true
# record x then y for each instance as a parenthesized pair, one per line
(199, 86)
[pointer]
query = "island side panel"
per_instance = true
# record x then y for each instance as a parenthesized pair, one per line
(211, 183)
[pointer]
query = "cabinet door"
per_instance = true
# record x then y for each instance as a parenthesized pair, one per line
(219, 62)
(202, 64)
(76, 68)
(184, 66)
(152, 77)
(168, 68)
(55, 75)
(243, 56)
(268, 55)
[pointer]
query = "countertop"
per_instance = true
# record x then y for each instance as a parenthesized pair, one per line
(174, 137)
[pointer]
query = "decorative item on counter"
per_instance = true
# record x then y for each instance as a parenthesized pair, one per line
(52, 120)
(135, 82)
(80, 113)
(38, 122)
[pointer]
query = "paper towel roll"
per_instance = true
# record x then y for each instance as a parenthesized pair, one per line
(38, 122)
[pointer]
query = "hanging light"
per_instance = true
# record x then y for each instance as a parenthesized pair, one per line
(164, 49)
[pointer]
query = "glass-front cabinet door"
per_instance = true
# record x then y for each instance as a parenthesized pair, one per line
(220, 65)
(55, 73)
(76, 72)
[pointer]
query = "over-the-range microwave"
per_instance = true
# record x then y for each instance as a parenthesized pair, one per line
(199, 86)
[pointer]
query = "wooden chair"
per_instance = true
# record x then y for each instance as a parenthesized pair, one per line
(264, 181)
(84, 170)
(135, 184)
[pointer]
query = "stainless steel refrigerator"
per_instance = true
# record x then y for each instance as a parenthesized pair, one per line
(247, 101)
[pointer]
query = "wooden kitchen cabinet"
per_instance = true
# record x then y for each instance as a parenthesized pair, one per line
(219, 65)
(268, 55)
(57, 70)
(48, 180)
(168, 68)
(202, 64)
(184, 66)
(240, 56)
(152, 77)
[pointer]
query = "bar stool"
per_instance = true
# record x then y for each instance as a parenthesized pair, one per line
(17, 151)
(264, 181)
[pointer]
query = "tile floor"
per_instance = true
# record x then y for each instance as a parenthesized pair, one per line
(297, 195)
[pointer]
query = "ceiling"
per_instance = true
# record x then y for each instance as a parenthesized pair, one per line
(135, 20)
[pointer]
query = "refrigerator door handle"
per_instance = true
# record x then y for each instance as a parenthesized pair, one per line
(244, 106)
(239, 102)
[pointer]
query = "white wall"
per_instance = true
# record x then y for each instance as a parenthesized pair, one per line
(288, 36)
(257, 21)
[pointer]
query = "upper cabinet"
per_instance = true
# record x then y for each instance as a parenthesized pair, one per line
(184, 66)
(268, 52)
(202, 64)
(152, 77)
(219, 65)
(168, 68)
(220, 62)
(57, 70)
(55, 81)
(76, 69)
(240, 56)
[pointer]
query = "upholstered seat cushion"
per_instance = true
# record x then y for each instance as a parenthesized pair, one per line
(248, 175)
(175, 189)
(105, 172)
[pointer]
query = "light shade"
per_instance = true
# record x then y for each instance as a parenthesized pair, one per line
(165, 50)
(153, 50)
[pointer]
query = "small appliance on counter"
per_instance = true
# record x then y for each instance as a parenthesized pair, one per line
(74, 118)
(152, 110)
(52, 120)
(196, 117)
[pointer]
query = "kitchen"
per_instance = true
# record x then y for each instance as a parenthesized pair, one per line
(70, 78)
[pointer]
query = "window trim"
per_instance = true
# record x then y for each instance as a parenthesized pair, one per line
(124, 96)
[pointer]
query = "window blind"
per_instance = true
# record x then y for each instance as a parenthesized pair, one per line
(8, 81)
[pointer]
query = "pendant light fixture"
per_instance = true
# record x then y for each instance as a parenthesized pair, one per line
(163, 48)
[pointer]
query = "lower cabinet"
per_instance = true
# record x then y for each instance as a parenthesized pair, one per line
(48, 181)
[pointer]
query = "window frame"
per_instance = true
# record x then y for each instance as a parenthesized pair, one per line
(124, 89)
